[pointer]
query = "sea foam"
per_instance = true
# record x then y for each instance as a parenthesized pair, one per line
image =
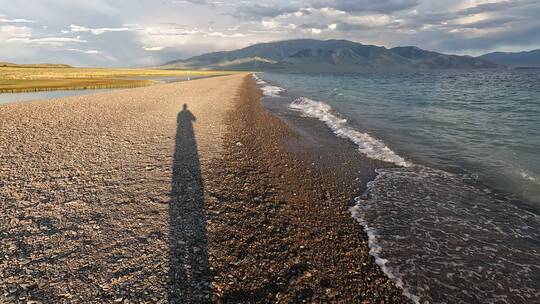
(441, 238)
(375, 250)
(368, 145)
(267, 89)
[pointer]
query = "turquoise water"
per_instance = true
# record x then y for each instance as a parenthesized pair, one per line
(454, 218)
(486, 123)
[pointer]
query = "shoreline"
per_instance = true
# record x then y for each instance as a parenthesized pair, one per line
(515, 183)
(309, 247)
(421, 205)
(127, 196)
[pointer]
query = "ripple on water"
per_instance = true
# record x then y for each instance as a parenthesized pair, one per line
(448, 241)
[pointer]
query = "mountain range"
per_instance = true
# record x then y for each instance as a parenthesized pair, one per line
(530, 59)
(309, 55)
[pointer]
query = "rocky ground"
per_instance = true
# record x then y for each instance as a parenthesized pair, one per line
(129, 197)
(90, 189)
(278, 221)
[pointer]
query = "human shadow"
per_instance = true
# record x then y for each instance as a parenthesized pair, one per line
(189, 273)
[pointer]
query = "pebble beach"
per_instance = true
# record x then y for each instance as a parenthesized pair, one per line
(175, 193)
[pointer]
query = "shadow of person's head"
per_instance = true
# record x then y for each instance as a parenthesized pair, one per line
(185, 117)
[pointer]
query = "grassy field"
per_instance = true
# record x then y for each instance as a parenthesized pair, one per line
(18, 78)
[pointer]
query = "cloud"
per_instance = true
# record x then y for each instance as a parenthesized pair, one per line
(25, 35)
(380, 6)
(95, 31)
(153, 48)
(349, 27)
(225, 35)
(212, 4)
(495, 22)
(493, 7)
(55, 41)
(255, 12)
(13, 31)
(90, 52)
(176, 36)
(150, 32)
(200, 2)
(93, 54)
(314, 25)
(18, 20)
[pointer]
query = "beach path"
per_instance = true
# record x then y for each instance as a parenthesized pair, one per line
(101, 196)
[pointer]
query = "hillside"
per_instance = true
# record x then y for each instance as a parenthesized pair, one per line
(33, 65)
(327, 55)
(530, 59)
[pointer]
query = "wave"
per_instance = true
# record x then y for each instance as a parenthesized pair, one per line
(437, 235)
(368, 145)
(271, 91)
(427, 228)
(267, 89)
(258, 79)
(527, 176)
(375, 250)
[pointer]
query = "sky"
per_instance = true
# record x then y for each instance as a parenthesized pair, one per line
(128, 33)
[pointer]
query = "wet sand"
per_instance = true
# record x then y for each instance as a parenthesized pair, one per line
(130, 197)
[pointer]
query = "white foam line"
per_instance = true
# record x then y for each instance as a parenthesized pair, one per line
(267, 89)
(367, 144)
(527, 176)
(375, 249)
